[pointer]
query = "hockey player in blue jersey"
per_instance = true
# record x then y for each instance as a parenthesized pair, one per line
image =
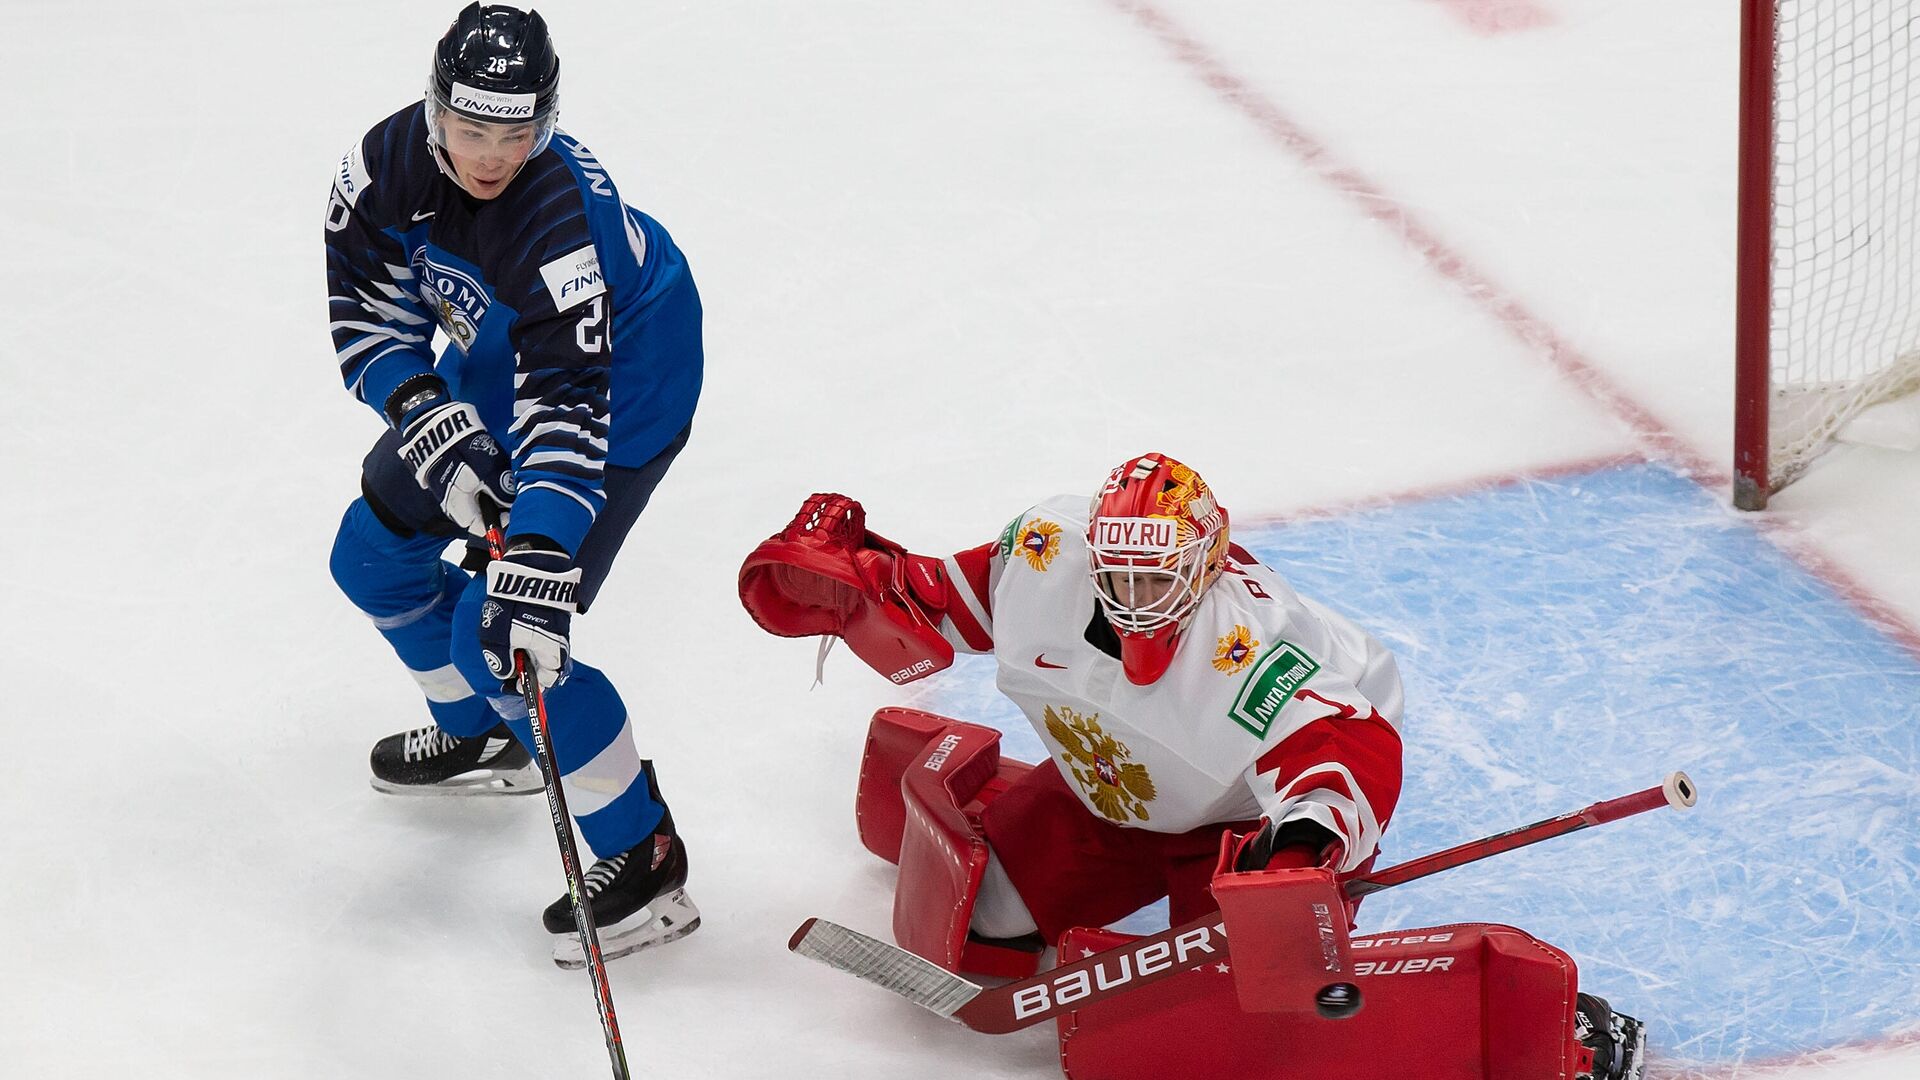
(565, 390)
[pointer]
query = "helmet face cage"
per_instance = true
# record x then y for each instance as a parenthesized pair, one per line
(1156, 541)
(1142, 592)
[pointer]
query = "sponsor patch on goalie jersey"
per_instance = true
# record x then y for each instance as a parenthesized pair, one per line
(1009, 536)
(1038, 543)
(1235, 651)
(1282, 671)
(574, 278)
(456, 297)
(1118, 788)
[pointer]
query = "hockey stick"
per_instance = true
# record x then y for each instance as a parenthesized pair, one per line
(1025, 1002)
(563, 832)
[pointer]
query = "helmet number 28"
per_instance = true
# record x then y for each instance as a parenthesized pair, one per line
(497, 65)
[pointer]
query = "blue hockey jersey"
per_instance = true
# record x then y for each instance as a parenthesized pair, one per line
(572, 321)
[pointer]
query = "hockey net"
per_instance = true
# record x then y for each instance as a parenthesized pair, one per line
(1829, 319)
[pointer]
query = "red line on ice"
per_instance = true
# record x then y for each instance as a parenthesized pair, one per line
(1500, 16)
(1502, 304)
(1506, 308)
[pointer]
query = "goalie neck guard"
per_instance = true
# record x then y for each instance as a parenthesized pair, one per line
(1156, 540)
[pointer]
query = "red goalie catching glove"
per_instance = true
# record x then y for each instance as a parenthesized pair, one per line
(826, 574)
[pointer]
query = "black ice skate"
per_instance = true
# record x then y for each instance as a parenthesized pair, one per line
(638, 899)
(1618, 1041)
(428, 761)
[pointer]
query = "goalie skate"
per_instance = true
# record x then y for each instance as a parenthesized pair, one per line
(1618, 1041)
(428, 761)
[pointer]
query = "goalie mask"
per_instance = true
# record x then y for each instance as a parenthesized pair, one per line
(1156, 541)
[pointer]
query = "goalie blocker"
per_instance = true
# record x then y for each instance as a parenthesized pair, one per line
(1296, 996)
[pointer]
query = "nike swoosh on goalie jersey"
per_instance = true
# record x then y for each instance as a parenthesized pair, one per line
(1041, 661)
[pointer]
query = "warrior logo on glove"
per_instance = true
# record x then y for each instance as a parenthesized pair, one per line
(458, 464)
(532, 592)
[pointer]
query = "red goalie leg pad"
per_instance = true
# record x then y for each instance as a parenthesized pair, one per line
(1475, 1001)
(897, 739)
(943, 852)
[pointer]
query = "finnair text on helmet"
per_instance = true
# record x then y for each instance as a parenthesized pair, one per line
(472, 99)
(1125, 966)
(1156, 535)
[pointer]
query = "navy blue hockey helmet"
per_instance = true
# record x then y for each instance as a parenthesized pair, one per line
(495, 65)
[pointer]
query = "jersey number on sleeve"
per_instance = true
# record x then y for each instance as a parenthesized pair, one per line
(591, 333)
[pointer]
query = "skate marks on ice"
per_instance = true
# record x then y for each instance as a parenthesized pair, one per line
(1561, 637)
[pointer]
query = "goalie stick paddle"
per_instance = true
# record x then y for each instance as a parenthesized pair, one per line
(1025, 1002)
(563, 832)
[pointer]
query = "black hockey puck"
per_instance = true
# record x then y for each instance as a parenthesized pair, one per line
(1337, 1001)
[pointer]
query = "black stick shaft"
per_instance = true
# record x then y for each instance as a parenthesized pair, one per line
(563, 834)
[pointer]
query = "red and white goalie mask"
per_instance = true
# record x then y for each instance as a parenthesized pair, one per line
(1156, 541)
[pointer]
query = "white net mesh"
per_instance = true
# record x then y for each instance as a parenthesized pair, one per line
(1845, 324)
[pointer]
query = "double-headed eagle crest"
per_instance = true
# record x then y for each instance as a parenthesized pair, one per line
(1039, 542)
(1097, 761)
(1233, 652)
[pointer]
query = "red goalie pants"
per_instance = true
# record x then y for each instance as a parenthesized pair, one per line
(1075, 869)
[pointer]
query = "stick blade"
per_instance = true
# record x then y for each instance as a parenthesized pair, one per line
(889, 967)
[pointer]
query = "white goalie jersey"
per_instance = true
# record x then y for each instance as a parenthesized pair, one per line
(1273, 707)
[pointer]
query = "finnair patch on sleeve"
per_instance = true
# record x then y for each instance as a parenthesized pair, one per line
(352, 178)
(574, 278)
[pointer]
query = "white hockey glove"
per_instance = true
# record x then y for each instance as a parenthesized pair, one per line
(458, 463)
(529, 608)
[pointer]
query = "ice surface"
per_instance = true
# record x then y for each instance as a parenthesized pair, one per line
(954, 258)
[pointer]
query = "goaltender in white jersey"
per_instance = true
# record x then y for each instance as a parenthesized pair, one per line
(1202, 743)
(1182, 689)
(1184, 692)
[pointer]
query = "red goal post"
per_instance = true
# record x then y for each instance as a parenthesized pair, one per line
(1828, 310)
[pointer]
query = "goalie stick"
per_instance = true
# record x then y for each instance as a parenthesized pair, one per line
(563, 833)
(1025, 1002)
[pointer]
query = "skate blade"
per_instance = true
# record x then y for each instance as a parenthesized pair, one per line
(668, 918)
(480, 782)
(1636, 1053)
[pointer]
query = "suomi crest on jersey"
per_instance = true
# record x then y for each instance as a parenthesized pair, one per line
(456, 296)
